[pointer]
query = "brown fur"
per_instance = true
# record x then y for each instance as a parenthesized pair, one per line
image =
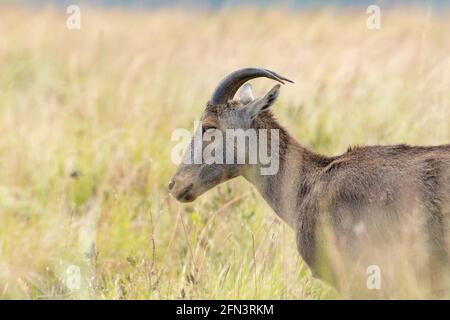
(377, 187)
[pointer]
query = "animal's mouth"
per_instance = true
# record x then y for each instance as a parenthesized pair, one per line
(186, 195)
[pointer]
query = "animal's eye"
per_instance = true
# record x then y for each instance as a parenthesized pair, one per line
(206, 128)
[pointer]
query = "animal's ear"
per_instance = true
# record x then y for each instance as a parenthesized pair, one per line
(246, 94)
(261, 104)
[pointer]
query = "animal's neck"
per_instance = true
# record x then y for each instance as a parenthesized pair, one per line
(285, 190)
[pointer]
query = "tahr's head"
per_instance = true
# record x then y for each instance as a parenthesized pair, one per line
(223, 122)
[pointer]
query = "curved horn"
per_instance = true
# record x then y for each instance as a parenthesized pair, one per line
(227, 88)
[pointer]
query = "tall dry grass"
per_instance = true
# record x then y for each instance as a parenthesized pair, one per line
(86, 118)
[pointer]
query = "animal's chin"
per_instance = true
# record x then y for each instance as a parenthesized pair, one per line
(186, 198)
(186, 194)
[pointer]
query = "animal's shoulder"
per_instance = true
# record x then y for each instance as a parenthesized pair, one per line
(379, 168)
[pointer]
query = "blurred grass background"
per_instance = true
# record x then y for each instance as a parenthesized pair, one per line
(86, 118)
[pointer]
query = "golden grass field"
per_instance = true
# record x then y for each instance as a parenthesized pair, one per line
(86, 118)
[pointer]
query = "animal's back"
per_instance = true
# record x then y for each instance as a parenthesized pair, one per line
(387, 176)
(368, 196)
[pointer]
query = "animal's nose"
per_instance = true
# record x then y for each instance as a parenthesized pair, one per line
(171, 184)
